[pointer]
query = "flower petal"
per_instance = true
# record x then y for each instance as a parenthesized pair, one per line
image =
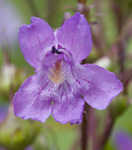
(34, 39)
(32, 101)
(75, 36)
(68, 111)
(68, 107)
(102, 87)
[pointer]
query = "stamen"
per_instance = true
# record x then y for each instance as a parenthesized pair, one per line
(52, 102)
(54, 50)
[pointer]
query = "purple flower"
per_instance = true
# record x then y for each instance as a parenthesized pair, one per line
(123, 141)
(61, 84)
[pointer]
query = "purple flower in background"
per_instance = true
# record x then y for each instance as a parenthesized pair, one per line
(1, 148)
(123, 141)
(61, 84)
(29, 148)
(10, 21)
(3, 113)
